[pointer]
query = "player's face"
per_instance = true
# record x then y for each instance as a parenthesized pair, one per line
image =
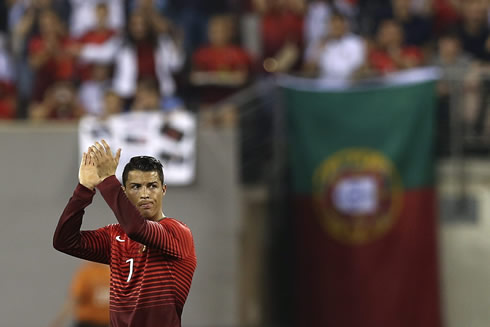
(145, 190)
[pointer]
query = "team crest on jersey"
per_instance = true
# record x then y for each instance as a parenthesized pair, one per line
(358, 193)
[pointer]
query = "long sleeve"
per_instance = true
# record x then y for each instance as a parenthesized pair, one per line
(88, 245)
(167, 235)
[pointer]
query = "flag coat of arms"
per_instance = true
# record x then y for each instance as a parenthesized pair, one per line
(365, 228)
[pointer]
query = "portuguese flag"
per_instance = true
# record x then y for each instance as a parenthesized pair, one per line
(365, 225)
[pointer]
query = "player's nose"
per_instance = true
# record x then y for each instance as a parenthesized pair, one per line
(144, 193)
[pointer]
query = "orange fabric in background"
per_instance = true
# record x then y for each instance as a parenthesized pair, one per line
(90, 290)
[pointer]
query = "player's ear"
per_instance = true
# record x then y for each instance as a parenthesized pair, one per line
(124, 189)
(164, 188)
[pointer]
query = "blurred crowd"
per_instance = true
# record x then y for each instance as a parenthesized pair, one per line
(62, 59)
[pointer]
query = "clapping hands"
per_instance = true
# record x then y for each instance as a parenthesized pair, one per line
(98, 163)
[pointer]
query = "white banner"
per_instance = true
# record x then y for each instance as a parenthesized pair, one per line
(169, 137)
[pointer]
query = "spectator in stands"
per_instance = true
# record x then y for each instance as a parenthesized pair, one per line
(191, 16)
(153, 11)
(452, 60)
(389, 53)
(98, 45)
(475, 39)
(112, 104)
(317, 18)
(8, 92)
(281, 33)
(147, 97)
(473, 29)
(49, 54)
(147, 54)
(83, 15)
(95, 51)
(91, 91)
(60, 103)
(23, 22)
(317, 21)
(221, 67)
(417, 28)
(28, 11)
(445, 13)
(338, 56)
(458, 73)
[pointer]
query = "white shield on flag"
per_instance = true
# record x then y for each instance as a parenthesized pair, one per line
(356, 195)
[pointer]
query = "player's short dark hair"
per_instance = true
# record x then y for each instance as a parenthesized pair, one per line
(143, 163)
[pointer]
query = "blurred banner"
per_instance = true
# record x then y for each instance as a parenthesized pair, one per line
(365, 222)
(169, 137)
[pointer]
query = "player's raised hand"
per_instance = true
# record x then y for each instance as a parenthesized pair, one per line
(87, 175)
(105, 162)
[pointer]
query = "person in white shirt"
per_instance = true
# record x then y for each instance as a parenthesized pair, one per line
(338, 56)
(83, 16)
(91, 92)
(147, 52)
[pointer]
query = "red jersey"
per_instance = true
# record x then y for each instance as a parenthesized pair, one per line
(381, 61)
(59, 67)
(152, 263)
(226, 58)
(93, 37)
(278, 28)
(97, 36)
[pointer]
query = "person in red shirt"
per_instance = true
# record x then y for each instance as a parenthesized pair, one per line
(49, 54)
(59, 103)
(389, 54)
(281, 33)
(98, 45)
(221, 67)
(151, 256)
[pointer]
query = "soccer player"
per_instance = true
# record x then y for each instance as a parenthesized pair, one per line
(151, 257)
